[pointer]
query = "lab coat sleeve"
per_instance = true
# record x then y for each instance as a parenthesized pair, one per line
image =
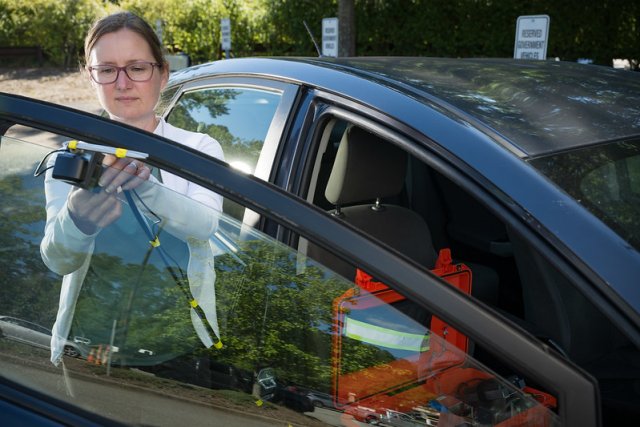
(64, 248)
(191, 212)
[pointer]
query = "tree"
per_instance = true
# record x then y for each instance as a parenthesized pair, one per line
(346, 28)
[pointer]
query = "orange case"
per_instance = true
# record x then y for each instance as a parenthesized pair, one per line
(405, 383)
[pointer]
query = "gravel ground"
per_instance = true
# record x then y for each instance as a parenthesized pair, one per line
(66, 87)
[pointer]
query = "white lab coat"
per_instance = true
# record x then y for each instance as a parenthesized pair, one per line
(67, 251)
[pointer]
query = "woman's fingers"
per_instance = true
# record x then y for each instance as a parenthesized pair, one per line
(124, 174)
(142, 175)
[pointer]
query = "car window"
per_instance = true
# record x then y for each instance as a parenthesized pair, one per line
(605, 179)
(239, 118)
(191, 315)
(373, 182)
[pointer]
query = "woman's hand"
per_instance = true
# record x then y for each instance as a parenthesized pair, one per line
(91, 211)
(122, 174)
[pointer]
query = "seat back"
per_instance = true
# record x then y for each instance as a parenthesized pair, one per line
(366, 171)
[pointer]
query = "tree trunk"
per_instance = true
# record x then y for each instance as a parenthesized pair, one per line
(346, 28)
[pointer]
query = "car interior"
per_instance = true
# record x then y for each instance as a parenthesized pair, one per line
(376, 186)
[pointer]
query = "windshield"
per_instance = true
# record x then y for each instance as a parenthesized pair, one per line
(605, 179)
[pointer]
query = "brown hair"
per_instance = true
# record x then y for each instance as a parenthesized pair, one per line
(117, 21)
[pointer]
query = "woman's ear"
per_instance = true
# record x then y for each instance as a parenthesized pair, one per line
(165, 75)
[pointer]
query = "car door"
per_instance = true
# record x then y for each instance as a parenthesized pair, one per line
(39, 335)
(201, 292)
(514, 271)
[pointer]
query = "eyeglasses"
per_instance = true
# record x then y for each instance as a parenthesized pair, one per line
(137, 72)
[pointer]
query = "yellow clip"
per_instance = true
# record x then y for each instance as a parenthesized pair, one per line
(73, 144)
(193, 303)
(155, 243)
(218, 345)
(121, 152)
(259, 402)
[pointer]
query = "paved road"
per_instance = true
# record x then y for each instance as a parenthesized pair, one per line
(130, 405)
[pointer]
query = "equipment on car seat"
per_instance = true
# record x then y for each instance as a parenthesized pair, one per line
(382, 359)
(457, 275)
(430, 370)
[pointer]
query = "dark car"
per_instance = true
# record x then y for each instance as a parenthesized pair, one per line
(294, 397)
(454, 236)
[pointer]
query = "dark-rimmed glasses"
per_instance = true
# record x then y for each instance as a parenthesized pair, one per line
(137, 72)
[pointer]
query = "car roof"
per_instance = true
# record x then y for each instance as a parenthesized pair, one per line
(538, 107)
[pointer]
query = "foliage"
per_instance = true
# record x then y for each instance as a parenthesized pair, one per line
(275, 316)
(21, 223)
(285, 33)
(58, 27)
(454, 28)
(474, 28)
(216, 103)
(187, 26)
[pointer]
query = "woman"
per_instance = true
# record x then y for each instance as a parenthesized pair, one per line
(125, 65)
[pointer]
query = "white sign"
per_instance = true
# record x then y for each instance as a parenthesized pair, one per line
(532, 35)
(225, 32)
(330, 37)
(177, 62)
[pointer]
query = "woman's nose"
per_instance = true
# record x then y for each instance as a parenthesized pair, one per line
(122, 81)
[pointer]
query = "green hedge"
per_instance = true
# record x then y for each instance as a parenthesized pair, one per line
(600, 30)
(58, 27)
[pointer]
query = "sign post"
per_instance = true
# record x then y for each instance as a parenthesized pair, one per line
(532, 35)
(330, 37)
(225, 33)
(159, 30)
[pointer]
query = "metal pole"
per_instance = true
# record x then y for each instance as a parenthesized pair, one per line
(113, 335)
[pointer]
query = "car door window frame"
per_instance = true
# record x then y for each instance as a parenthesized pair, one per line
(576, 392)
(325, 106)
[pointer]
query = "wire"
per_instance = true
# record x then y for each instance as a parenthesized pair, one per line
(39, 171)
(181, 280)
(155, 233)
(157, 221)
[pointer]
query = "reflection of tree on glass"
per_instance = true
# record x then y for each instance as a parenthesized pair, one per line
(125, 65)
(27, 287)
(605, 179)
(238, 118)
(276, 315)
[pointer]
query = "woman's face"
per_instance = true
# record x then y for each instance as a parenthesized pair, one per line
(125, 100)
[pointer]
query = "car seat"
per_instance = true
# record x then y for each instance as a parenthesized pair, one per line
(368, 172)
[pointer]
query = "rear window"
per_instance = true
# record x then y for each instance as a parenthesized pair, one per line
(605, 179)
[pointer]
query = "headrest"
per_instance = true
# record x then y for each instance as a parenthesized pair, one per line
(366, 167)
